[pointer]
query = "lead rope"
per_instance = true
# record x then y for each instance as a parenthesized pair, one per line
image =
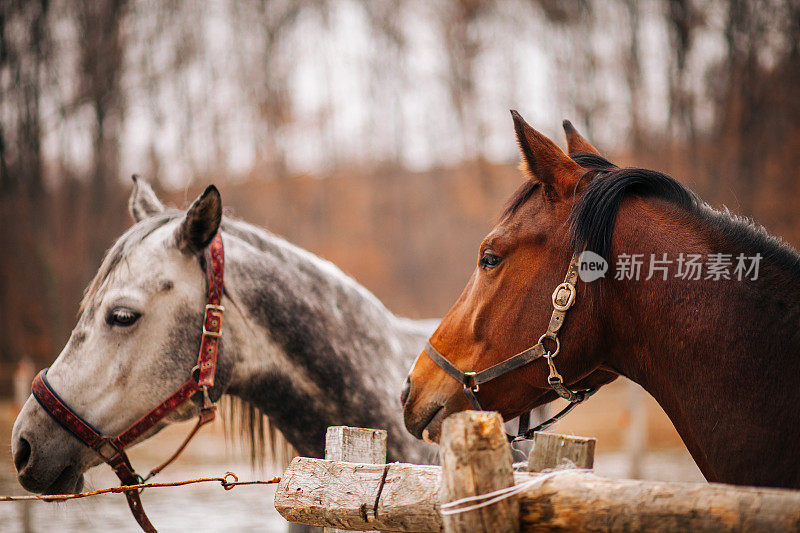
(206, 416)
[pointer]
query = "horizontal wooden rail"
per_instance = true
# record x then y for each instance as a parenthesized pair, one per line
(405, 497)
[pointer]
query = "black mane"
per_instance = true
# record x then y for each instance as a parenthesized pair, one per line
(593, 218)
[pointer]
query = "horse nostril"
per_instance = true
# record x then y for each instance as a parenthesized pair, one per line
(406, 390)
(22, 454)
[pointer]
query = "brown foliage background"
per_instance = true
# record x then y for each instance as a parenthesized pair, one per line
(91, 91)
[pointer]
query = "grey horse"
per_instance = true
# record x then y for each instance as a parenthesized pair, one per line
(303, 343)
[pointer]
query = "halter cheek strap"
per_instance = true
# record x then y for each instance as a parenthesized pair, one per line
(563, 298)
(201, 379)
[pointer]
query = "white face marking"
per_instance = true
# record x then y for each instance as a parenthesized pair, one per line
(118, 373)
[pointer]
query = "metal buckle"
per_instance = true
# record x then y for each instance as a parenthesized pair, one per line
(570, 288)
(103, 447)
(554, 377)
(551, 337)
(207, 403)
(141, 481)
(475, 387)
(212, 307)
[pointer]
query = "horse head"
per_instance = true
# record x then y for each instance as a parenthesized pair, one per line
(506, 305)
(135, 342)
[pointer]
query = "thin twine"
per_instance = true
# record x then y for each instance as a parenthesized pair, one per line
(451, 508)
(224, 481)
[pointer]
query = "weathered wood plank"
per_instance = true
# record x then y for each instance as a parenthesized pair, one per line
(330, 493)
(476, 460)
(572, 500)
(355, 445)
(550, 450)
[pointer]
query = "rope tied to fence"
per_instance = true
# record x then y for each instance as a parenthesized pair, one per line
(490, 498)
(228, 482)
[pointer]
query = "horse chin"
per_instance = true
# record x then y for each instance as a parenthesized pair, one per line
(68, 481)
(433, 431)
(428, 426)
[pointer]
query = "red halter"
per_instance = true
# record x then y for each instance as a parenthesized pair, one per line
(111, 448)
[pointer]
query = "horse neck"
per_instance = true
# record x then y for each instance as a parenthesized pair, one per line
(721, 358)
(311, 347)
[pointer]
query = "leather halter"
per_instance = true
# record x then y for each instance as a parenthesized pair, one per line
(201, 379)
(563, 298)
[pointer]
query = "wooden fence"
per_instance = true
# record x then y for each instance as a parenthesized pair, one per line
(476, 489)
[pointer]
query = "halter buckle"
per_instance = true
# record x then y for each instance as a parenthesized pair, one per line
(552, 337)
(471, 378)
(207, 403)
(107, 450)
(210, 333)
(559, 303)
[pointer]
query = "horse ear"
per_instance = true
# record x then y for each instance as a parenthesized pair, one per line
(575, 142)
(201, 222)
(543, 161)
(143, 202)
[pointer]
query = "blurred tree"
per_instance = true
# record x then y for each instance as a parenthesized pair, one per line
(460, 24)
(633, 75)
(25, 274)
(757, 112)
(264, 69)
(682, 20)
(101, 51)
(92, 90)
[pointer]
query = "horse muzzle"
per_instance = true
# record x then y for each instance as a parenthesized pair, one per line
(48, 459)
(423, 415)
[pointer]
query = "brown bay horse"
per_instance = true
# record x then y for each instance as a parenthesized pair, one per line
(719, 352)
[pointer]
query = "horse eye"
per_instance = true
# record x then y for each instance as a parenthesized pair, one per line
(122, 316)
(489, 260)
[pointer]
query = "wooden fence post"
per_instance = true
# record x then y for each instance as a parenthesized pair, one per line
(476, 459)
(405, 497)
(550, 449)
(354, 445)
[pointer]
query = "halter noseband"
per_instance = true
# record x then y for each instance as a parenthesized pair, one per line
(563, 299)
(201, 379)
